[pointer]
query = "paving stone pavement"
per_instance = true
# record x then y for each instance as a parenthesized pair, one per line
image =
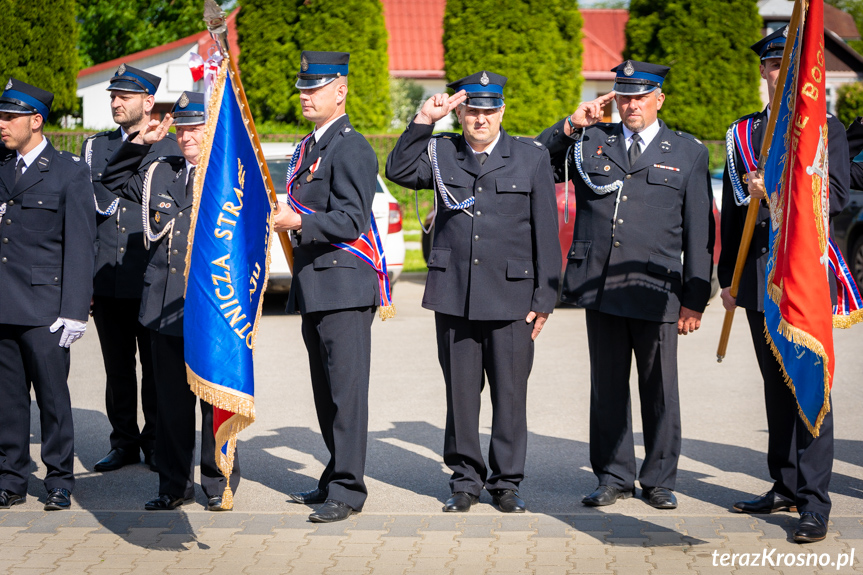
(402, 529)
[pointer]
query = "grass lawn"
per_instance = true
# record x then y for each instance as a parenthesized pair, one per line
(414, 261)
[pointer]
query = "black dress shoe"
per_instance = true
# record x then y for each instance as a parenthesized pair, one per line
(770, 502)
(460, 502)
(117, 458)
(8, 499)
(606, 495)
(150, 459)
(331, 511)
(811, 527)
(508, 500)
(309, 497)
(58, 499)
(659, 497)
(214, 503)
(165, 502)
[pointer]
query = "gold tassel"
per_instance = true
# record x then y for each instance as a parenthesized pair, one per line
(228, 496)
(387, 311)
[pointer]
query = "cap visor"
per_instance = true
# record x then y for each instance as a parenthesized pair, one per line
(309, 84)
(15, 109)
(188, 120)
(633, 89)
(123, 86)
(484, 103)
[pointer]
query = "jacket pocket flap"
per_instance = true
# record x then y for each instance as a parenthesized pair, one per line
(664, 265)
(336, 259)
(579, 250)
(44, 201)
(521, 185)
(664, 177)
(439, 258)
(519, 269)
(460, 180)
(43, 276)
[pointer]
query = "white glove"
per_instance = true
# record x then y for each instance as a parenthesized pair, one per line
(73, 330)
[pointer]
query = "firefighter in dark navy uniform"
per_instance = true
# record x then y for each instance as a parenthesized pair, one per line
(493, 275)
(47, 235)
(335, 291)
(799, 464)
(167, 199)
(640, 263)
(121, 260)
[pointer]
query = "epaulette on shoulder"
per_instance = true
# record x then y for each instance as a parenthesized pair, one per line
(529, 142)
(68, 156)
(445, 135)
(829, 115)
(687, 136)
(171, 159)
(100, 134)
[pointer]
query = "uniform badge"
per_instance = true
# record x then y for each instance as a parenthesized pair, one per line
(76, 158)
(665, 146)
(664, 167)
(304, 64)
(309, 178)
(347, 130)
(184, 100)
(606, 168)
(599, 150)
(158, 217)
(484, 79)
(611, 140)
(121, 70)
(537, 143)
(9, 84)
(166, 205)
(629, 69)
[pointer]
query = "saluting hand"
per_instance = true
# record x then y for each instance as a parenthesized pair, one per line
(589, 113)
(154, 131)
(438, 106)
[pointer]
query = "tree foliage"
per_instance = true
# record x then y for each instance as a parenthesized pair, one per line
(714, 75)
(111, 28)
(273, 34)
(855, 8)
(849, 102)
(406, 97)
(536, 44)
(39, 48)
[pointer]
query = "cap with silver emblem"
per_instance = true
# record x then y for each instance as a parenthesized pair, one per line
(189, 109)
(635, 78)
(320, 68)
(484, 89)
(129, 79)
(22, 98)
(771, 46)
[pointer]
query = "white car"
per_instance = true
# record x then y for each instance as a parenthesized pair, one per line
(388, 216)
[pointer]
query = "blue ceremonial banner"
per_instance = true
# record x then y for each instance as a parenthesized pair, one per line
(226, 269)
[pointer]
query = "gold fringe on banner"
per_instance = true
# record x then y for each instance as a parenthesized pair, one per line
(387, 311)
(846, 321)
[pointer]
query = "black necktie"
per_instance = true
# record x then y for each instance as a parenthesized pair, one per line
(481, 157)
(190, 183)
(19, 169)
(634, 150)
(310, 147)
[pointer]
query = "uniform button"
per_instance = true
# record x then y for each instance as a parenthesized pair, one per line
(39, 202)
(620, 221)
(513, 186)
(476, 238)
(5, 240)
(175, 252)
(11, 202)
(763, 250)
(624, 198)
(173, 270)
(8, 222)
(475, 262)
(335, 262)
(56, 279)
(123, 209)
(479, 189)
(617, 244)
(4, 260)
(666, 180)
(180, 214)
(122, 250)
(479, 213)
(556, 132)
(176, 233)
(628, 176)
(525, 271)
(763, 224)
(123, 230)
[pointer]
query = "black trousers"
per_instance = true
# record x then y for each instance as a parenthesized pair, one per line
(611, 342)
(175, 426)
(339, 344)
(121, 336)
(468, 350)
(33, 355)
(799, 464)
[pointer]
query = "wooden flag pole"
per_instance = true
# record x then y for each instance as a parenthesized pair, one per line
(214, 18)
(752, 211)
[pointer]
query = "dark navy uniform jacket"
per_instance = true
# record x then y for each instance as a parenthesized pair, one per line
(47, 239)
(164, 280)
(341, 191)
(503, 262)
(752, 281)
(121, 258)
(664, 213)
